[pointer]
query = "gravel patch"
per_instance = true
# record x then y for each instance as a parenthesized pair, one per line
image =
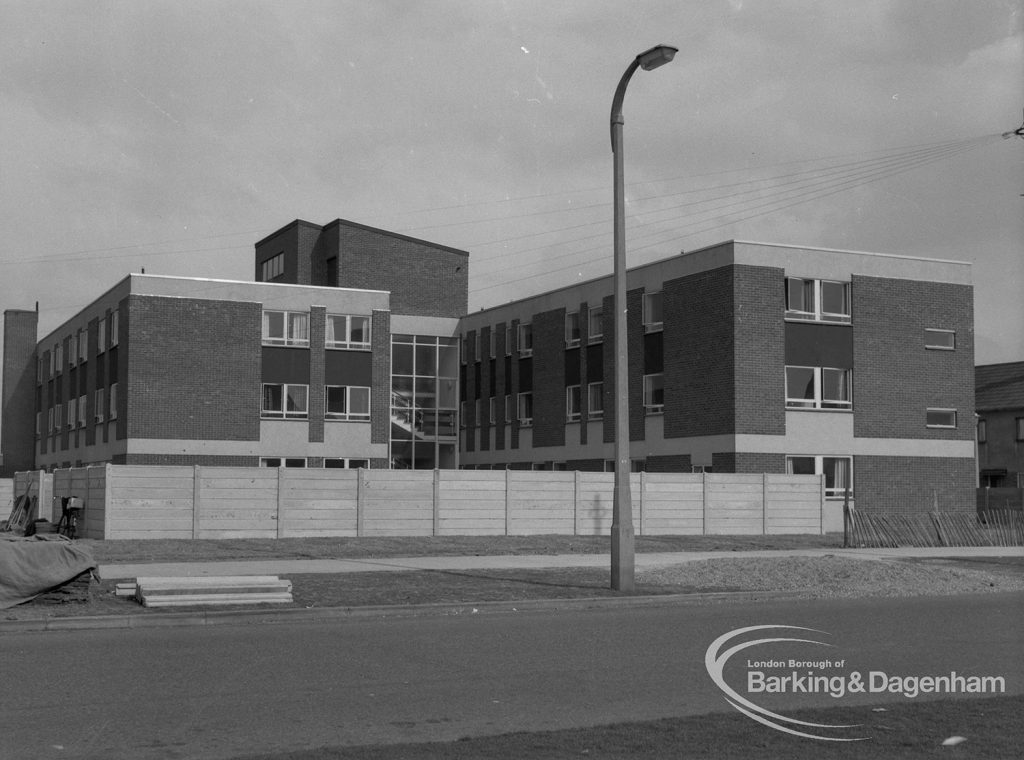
(832, 576)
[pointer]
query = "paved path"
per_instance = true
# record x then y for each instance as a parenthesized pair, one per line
(119, 571)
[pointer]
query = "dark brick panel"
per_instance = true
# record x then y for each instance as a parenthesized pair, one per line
(906, 485)
(548, 380)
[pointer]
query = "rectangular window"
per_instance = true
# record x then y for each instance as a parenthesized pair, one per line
(652, 312)
(492, 410)
(57, 414)
(83, 345)
(817, 300)
(346, 464)
(525, 340)
(115, 320)
(348, 331)
(113, 402)
(73, 350)
(508, 408)
(72, 412)
(654, 393)
(942, 340)
(101, 336)
(595, 324)
(285, 401)
(838, 472)
(492, 343)
(99, 400)
(285, 328)
(572, 403)
(81, 411)
(274, 267)
(1019, 424)
(346, 402)
(595, 400)
(526, 408)
(282, 462)
(982, 432)
(508, 340)
(818, 388)
(463, 413)
(49, 420)
(58, 358)
(940, 418)
(572, 329)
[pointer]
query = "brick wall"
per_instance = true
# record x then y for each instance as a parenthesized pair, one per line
(317, 372)
(191, 369)
(748, 462)
(18, 404)
(895, 378)
(188, 460)
(484, 378)
(380, 376)
(760, 350)
(549, 378)
(668, 463)
(905, 485)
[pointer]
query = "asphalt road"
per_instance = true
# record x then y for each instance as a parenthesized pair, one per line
(220, 692)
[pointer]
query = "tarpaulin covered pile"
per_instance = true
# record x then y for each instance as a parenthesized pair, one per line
(32, 566)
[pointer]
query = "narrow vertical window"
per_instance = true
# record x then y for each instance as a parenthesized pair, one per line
(572, 403)
(652, 311)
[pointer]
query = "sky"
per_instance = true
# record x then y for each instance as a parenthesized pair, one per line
(171, 136)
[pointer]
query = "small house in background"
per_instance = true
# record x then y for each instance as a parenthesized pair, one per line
(999, 402)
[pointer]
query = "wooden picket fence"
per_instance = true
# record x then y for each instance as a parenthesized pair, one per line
(997, 527)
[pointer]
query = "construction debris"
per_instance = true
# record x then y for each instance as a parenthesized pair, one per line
(207, 590)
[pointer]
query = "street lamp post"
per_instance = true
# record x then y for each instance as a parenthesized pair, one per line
(623, 540)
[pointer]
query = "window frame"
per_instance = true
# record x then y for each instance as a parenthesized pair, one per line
(1018, 423)
(492, 410)
(82, 408)
(573, 403)
(595, 312)
(348, 415)
(83, 346)
(982, 431)
(818, 402)
(573, 329)
(101, 335)
(114, 324)
(817, 311)
(112, 402)
(287, 340)
(524, 396)
(284, 414)
(265, 462)
(649, 406)
(940, 426)
(651, 325)
(99, 399)
(592, 413)
(346, 463)
(525, 334)
(348, 343)
(272, 268)
(933, 331)
(834, 492)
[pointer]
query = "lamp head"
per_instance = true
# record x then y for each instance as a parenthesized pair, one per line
(656, 56)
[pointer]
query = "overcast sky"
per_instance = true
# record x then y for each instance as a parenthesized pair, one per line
(173, 135)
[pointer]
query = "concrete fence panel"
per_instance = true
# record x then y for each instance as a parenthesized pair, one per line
(538, 505)
(673, 504)
(396, 502)
(236, 502)
(733, 504)
(791, 507)
(6, 497)
(471, 503)
(318, 502)
(157, 502)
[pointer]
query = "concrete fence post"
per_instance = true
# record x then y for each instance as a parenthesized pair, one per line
(437, 502)
(643, 487)
(704, 503)
(280, 517)
(576, 503)
(360, 503)
(507, 471)
(196, 499)
(764, 504)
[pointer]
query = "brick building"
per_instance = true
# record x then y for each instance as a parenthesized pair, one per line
(999, 399)
(743, 357)
(342, 354)
(345, 351)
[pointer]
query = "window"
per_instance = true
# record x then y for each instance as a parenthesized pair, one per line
(508, 408)
(72, 412)
(346, 464)
(982, 431)
(346, 402)
(463, 413)
(347, 331)
(595, 400)
(492, 343)
(57, 414)
(941, 340)
(508, 340)
(572, 403)
(525, 340)
(1019, 424)
(838, 472)
(595, 324)
(526, 408)
(73, 350)
(701, 468)
(83, 345)
(652, 312)
(817, 300)
(99, 404)
(285, 328)
(101, 336)
(492, 410)
(58, 358)
(818, 388)
(49, 420)
(282, 462)
(285, 401)
(81, 411)
(39, 421)
(113, 401)
(274, 267)
(940, 418)
(572, 329)
(654, 393)
(114, 325)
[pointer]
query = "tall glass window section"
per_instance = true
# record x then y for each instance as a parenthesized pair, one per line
(424, 402)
